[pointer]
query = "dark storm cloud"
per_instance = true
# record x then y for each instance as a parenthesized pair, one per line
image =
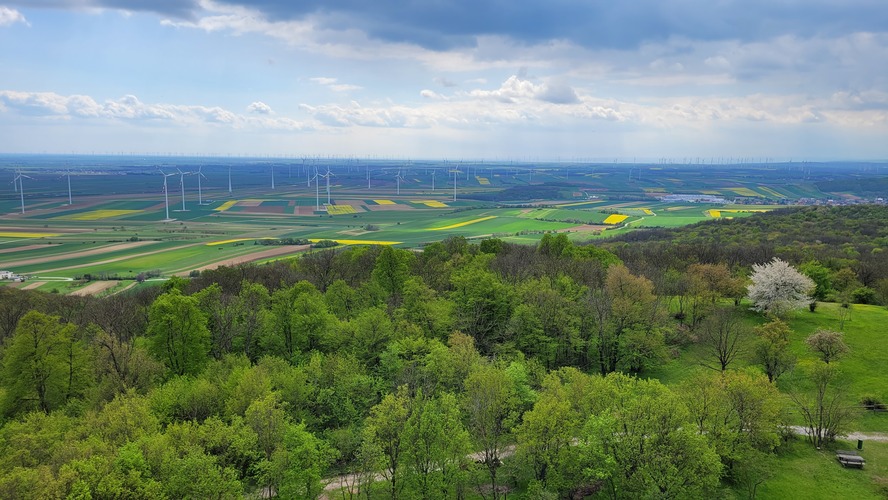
(175, 8)
(590, 23)
(602, 23)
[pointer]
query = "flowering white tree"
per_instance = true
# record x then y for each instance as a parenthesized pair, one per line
(778, 288)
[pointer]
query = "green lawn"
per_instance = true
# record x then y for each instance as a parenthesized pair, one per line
(804, 472)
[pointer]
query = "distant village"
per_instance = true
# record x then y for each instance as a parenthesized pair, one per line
(745, 200)
(9, 275)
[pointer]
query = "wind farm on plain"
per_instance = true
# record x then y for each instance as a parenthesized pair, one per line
(68, 221)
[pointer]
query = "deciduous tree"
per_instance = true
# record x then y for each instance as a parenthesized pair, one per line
(777, 288)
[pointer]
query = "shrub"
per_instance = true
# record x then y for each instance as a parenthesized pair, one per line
(870, 402)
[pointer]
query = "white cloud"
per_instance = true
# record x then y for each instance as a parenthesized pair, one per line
(331, 83)
(8, 17)
(259, 108)
(323, 80)
(130, 108)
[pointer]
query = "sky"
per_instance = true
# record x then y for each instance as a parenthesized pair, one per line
(493, 79)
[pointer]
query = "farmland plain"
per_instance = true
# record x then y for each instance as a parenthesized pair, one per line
(117, 225)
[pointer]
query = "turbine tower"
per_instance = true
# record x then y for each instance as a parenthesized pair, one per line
(272, 176)
(199, 174)
(229, 180)
(434, 171)
(455, 174)
(182, 185)
(327, 176)
(70, 199)
(398, 179)
(317, 190)
(166, 194)
(21, 187)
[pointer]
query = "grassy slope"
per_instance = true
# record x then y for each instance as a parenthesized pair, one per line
(802, 470)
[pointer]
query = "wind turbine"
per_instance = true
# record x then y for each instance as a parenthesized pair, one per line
(166, 194)
(68, 175)
(229, 180)
(272, 176)
(182, 185)
(327, 176)
(455, 173)
(21, 187)
(434, 171)
(398, 180)
(317, 190)
(199, 174)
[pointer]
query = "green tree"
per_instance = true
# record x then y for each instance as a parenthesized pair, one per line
(489, 402)
(772, 349)
(384, 436)
(544, 437)
(723, 335)
(177, 333)
(739, 414)
(483, 305)
(435, 445)
(298, 465)
(391, 272)
(822, 278)
(626, 322)
(824, 407)
(645, 446)
(44, 364)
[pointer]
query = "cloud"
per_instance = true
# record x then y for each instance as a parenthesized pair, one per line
(175, 8)
(331, 83)
(519, 87)
(443, 25)
(129, 108)
(259, 108)
(444, 82)
(8, 17)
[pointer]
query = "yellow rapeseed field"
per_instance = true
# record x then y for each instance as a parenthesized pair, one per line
(341, 209)
(715, 213)
(461, 224)
(235, 240)
(99, 214)
(355, 242)
(225, 206)
(385, 202)
(13, 234)
(770, 191)
(484, 181)
(647, 211)
(430, 203)
(615, 218)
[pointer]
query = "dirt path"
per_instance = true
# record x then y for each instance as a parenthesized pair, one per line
(275, 251)
(33, 284)
(879, 437)
(94, 288)
(75, 255)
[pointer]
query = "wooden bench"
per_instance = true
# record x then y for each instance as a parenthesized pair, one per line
(850, 459)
